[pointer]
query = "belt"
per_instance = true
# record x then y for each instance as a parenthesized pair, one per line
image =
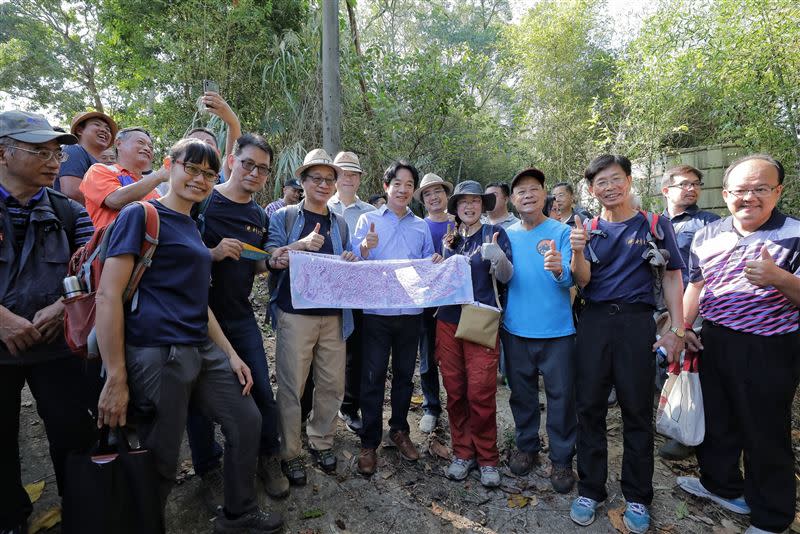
(615, 308)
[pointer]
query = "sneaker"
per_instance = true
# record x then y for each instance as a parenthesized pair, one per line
(325, 459)
(367, 460)
(254, 522)
(490, 476)
(275, 482)
(295, 470)
(612, 397)
(351, 422)
(460, 468)
(562, 478)
(636, 518)
(582, 511)
(695, 487)
(674, 450)
(521, 462)
(428, 423)
(400, 439)
(212, 490)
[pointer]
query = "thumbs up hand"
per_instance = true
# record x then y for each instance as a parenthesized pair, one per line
(313, 241)
(578, 237)
(552, 260)
(764, 271)
(371, 239)
(492, 251)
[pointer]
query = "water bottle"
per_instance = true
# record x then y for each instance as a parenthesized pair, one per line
(73, 287)
(661, 357)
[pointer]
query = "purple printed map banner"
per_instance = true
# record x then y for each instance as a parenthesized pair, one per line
(325, 281)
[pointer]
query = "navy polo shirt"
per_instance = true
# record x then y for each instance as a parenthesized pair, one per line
(686, 225)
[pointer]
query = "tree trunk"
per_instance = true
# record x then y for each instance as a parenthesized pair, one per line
(331, 89)
(357, 44)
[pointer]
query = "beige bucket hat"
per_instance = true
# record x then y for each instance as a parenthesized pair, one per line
(348, 161)
(318, 156)
(432, 179)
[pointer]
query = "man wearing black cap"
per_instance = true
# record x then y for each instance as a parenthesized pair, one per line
(95, 132)
(39, 230)
(292, 193)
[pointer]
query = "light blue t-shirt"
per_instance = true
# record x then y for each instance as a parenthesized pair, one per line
(538, 304)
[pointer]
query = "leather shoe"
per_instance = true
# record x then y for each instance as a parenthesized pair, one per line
(407, 450)
(522, 462)
(367, 460)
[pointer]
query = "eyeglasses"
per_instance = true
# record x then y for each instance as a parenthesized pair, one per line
(249, 165)
(317, 180)
(45, 154)
(687, 185)
(760, 191)
(193, 170)
(605, 184)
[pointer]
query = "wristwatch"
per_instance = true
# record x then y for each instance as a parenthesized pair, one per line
(680, 332)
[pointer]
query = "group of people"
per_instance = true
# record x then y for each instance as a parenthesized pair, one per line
(186, 352)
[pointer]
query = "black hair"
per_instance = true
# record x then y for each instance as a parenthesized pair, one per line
(565, 185)
(391, 173)
(59, 129)
(548, 205)
(605, 161)
(193, 150)
(205, 131)
(502, 185)
(670, 174)
(375, 197)
(123, 133)
(763, 157)
(253, 139)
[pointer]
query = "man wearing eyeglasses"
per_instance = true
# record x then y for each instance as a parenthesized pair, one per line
(745, 283)
(39, 230)
(109, 188)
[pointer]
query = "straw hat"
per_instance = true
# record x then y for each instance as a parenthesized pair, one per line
(318, 156)
(429, 180)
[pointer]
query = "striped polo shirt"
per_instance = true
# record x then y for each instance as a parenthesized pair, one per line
(718, 257)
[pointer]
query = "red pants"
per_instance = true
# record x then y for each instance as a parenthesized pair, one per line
(469, 373)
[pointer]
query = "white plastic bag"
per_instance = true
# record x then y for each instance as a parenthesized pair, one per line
(680, 409)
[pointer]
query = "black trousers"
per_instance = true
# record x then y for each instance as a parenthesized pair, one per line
(614, 348)
(63, 398)
(748, 384)
(352, 374)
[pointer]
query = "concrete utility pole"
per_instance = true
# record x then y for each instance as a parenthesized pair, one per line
(331, 89)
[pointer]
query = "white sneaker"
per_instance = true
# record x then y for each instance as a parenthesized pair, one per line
(692, 485)
(490, 476)
(428, 423)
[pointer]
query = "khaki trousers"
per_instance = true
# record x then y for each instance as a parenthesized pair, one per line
(301, 340)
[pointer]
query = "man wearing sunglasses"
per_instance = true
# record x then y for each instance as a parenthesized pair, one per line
(109, 188)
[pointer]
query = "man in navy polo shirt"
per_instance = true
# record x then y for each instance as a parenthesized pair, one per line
(745, 283)
(231, 218)
(616, 339)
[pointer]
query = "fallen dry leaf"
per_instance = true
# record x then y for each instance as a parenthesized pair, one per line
(437, 448)
(517, 501)
(35, 490)
(347, 454)
(416, 400)
(45, 521)
(459, 521)
(615, 517)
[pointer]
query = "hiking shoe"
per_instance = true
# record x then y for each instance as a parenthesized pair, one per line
(212, 490)
(428, 423)
(636, 518)
(674, 450)
(275, 482)
(367, 460)
(582, 511)
(695, 487)
(521, 462)
(612, 397)
(295, 470)
(460, 468)
(400, 439)
(325, 459)
(254, 522)
(490, 476)
(562, 478)
(351, 421)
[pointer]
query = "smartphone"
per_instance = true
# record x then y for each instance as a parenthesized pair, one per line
(210, 86)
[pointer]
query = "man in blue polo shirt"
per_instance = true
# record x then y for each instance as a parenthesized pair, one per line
(745, 283)
(538, 334)
(615, 335)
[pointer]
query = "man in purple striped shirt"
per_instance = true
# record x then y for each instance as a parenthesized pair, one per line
(745, 283)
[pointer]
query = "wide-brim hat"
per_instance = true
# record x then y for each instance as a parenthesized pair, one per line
(429, 180)
(31, 128)
(80, 118)
(316, 157)
(530, 172)
(471, 187)
(348, 161)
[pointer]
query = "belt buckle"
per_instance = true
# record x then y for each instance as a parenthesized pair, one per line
(615, 309)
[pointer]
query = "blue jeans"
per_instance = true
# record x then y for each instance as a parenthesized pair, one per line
(245, 337)
(428, 371)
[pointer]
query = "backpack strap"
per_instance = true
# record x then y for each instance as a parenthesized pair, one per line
(291, 216)
(198, 213)
(152, 225)
(344, 232)
(63, 210)
(655, 233)
(592, 227)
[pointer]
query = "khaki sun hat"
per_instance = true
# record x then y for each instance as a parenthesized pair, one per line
(429, 180)
(80, 118)
(318, 156)
(348, 161)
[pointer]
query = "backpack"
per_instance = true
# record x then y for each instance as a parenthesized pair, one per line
(63, 210)
(87, 265)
